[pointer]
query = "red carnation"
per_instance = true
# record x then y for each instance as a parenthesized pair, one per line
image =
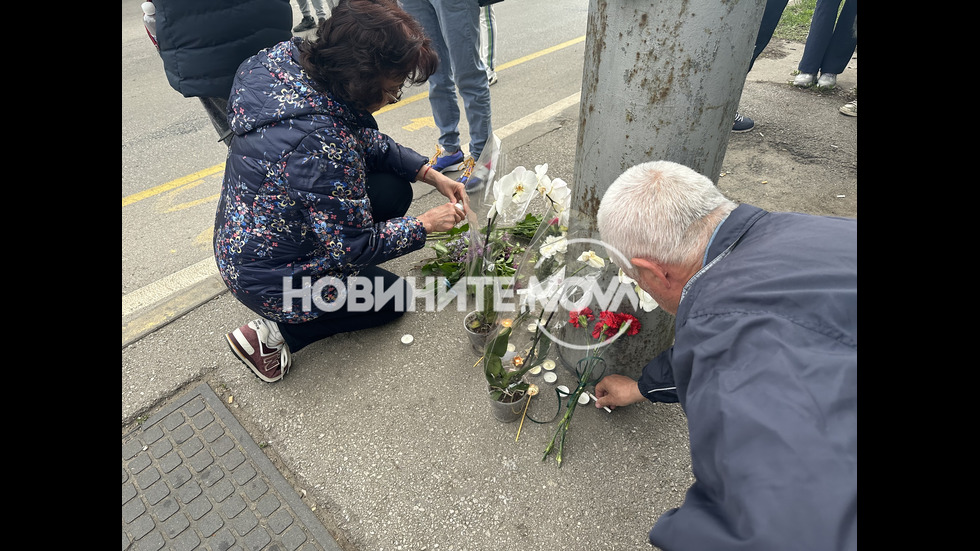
(609, 319)
(580, 318)
(634, 327)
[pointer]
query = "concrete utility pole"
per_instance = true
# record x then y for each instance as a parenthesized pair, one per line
(662, 81)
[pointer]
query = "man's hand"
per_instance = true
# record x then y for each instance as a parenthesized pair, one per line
(617, 390)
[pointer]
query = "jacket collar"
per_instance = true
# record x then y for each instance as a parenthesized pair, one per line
(733, 227)
(725, 238)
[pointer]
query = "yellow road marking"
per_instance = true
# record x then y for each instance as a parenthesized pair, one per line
(128, 200)
(420, 123)
(194, 203)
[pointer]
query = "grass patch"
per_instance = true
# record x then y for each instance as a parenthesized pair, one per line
(794, 24)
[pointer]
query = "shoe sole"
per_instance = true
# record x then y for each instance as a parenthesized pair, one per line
(450, 168)
(241, 355)
(742, 131)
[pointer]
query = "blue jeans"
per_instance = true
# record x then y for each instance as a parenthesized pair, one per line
(828, 46)
(454, 28)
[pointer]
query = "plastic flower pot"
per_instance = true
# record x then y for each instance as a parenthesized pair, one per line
(481, 335)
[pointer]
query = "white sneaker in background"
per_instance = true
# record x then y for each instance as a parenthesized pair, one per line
(804, 79)
(827, 80)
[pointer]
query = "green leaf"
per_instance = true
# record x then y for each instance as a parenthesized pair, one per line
(494, 369)
(498, 347)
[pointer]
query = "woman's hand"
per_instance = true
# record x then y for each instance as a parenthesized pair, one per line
(441, 218)
(451, 189)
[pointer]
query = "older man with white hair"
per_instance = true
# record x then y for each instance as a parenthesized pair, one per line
(764, 361)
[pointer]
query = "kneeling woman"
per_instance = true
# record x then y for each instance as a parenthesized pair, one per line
(313, 191)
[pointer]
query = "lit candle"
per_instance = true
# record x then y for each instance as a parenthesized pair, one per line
(509, 355)
(507, 322)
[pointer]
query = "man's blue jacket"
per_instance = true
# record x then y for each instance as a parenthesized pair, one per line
(765, 366)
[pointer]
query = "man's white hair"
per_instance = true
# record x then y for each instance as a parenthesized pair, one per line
(662, 211)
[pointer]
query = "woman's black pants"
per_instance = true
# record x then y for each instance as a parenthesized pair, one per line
(390, 198)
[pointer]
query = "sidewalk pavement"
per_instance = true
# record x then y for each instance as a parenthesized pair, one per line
(370, 444)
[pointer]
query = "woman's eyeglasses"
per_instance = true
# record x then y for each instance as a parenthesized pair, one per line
(394, 97)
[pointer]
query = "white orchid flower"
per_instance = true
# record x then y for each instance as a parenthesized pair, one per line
(510, 194)
(553, 244)
(647, 302)
(592, 259)
(560, 198)
(543, 184)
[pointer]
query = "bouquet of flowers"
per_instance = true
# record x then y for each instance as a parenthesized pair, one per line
(607, 327)
(498, 249)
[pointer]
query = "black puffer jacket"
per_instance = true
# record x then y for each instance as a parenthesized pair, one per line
(202, 43)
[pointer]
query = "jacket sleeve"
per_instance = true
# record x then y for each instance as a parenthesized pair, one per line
(657, 380)
(327, 175)
(383, 153)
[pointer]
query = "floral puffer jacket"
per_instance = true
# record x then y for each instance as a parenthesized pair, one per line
(293, 202)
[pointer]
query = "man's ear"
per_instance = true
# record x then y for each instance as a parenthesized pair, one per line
(651, 274)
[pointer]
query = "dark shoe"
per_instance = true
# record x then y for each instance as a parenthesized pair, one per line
(251, 343)
(443, 161)
(306, 24)
(742, 123)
